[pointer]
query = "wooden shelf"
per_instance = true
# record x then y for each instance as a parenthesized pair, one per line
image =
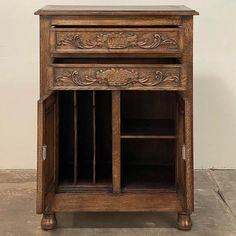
(146, 136)
(148, 129)
(85, 186)
(148, 178)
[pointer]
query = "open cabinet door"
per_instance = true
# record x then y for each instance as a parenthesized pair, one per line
(47, 151)
(180, 162)
(184, 163)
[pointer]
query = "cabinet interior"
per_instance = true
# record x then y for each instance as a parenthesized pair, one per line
(85, 156)
(148, 136)
(148, 140)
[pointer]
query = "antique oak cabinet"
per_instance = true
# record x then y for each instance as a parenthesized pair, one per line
(115, 111)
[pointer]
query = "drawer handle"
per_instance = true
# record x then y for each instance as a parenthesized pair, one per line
(44, 152)
(118, 77)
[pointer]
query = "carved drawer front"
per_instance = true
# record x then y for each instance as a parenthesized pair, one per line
(116, 77)
(116, 40)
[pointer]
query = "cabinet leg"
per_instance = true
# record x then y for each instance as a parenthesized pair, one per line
(184, 221)
(49, 221)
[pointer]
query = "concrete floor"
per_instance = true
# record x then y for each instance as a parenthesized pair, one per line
(215, 211)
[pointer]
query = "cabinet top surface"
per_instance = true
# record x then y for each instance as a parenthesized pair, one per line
(115, 10)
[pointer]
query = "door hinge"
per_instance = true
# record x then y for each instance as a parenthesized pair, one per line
(183, 152)
(44, 152)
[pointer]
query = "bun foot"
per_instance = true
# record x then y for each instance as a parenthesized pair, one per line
(48, 221)
(184, 221)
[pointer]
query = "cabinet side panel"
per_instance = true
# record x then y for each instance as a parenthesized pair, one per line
(44, 53)
(188, 97)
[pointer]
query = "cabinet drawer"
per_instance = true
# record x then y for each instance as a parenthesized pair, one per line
(117, 40)
(116, 77)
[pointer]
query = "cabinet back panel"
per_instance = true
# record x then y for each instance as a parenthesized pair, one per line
(148, 152)
(66, 130)
(148, 164)
(148, 105)
(85, 136)
(103, 136)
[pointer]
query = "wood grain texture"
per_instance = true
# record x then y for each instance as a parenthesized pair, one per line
(46, 138)
(45, 58)
(115, 10)
(136, 202)
(117, 77)
(116, 40)
(188, 97)
(127, 20)
(180, 150)
(116, 171)
(40, 173)
(181, 145)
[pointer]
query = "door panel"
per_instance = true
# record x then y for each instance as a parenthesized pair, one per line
(185, 151)
(181, 162)
(47, 151)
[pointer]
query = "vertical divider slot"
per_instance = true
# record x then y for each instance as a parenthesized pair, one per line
(85, 127)
(94, 138)
(75, 138)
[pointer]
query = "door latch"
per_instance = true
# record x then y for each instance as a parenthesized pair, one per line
(183, 152)
(44, 152)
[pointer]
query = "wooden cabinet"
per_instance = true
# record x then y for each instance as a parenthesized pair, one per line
(115, 111)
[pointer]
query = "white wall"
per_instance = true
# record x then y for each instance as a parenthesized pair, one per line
(214, 79)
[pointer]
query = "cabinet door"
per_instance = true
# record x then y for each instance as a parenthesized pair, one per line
(184, 161)
(47, 151)
(180, 162)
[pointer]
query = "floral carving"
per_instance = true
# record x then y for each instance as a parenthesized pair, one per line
(75, 78)
(160, 77)
(75, 40)
(117, 77)
(117, 40)
(158, 41)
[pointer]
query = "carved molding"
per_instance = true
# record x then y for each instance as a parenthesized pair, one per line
(117, 77)
(117, 40)
(73, 77)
